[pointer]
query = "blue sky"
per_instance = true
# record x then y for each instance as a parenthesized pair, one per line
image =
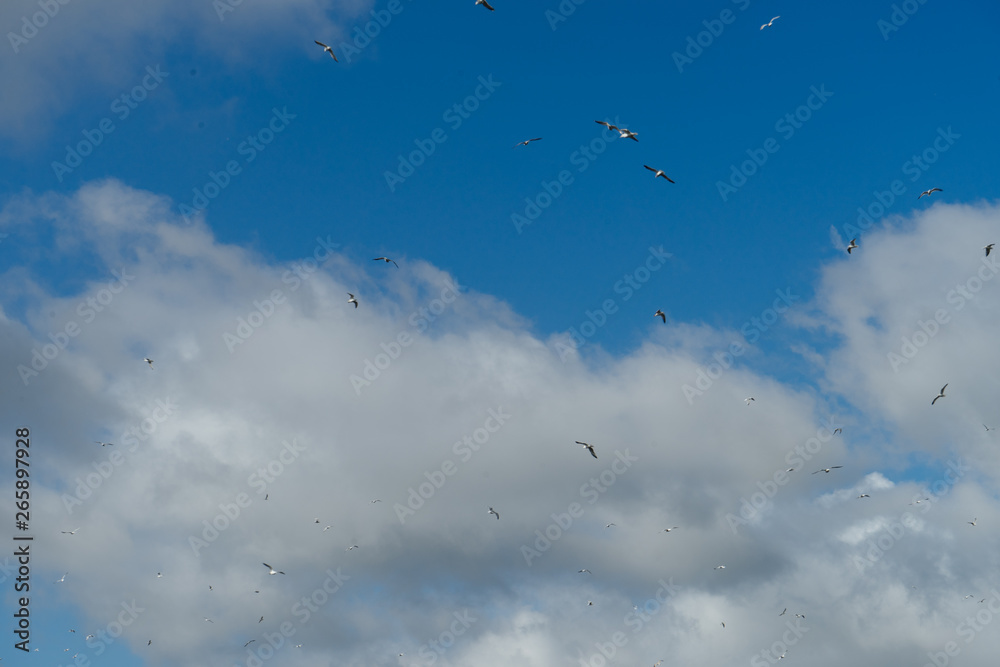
(844, 107)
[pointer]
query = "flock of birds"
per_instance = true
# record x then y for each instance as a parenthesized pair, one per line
(624, 133)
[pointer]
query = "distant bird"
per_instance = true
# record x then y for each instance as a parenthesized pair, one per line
(525, 143)
(790, 470)
(917, 502)
(723, 623)
(494, 512)
(657, 663)
(316, 520)
(987, 248)
(352, 300)
(328, 49)
(852, 245)
(589, 448)
(377, 500)
(988, 429)
(609, 525)
(941, 395)
(837, 430)
(623, 133)
(967, 597)
(69, 532)
(658, 172)
(261, 619)
(928, 193)
(589, 603)
(783, 611)
(159, 575)
(662, 315)
(249, 642)
(748, 399)
(720, 567)
(327, 528)
(104, 444)
(802, 616)
(864, 495)
(485, 4)
(386, 260)
(828, 469)
(149, 643)
(270, 570)
(973, 522)
(61, 579)
(352, 547)
(266, 495)
(768, 24)
(584, 570)
(667, 530)
(209, 620)
(210, 587)
(148, 361)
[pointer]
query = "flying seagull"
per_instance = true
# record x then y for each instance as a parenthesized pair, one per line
(987, 248)
(609, 525)
(720, 567)
(864, 495)
(623, 133)
(328, 49)
(941, 395)
(837, 430)
(851, 246)
(802, 616)
(352, 547)
(584, 570)
(377, 500)
(148, 361)
(327, 528)
(69, 532)
(261, 619)
(988, 429)
(768, 24)
(667, 530)
(271, 570)
(104, 444)
(828, 469)
(485, 4)
(61, 579)
(658, 172)
(249, 642)
(927, 193)
(209, 620)
(748, 399)
(588, 447)
(494, 512)
(973, 522)
(525, 143)
(352, 300)
(783, 611)
(662, 315)
(386, 260)
(723, 623)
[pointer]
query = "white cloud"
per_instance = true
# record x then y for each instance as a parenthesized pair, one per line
(426, 420)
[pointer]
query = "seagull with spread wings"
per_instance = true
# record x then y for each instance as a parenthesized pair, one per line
(658, 173)
(589, 448)
(928, 193)
(485, 4)
(940, 395)
(828, 469)
(328, 49)
(526, 142)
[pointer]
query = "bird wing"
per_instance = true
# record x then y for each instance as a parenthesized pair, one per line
(650, 168)
(592, 452)
(668, 178)
(321, 44)
(487, 5)
(607, 125)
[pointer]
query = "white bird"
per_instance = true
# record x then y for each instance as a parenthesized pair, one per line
(720, 567)
(723, 623)
(485, 4)
(928, 193)
(967, 597)
(525, 143)
(828, 469)
(494, 512)
(270, 570)
(316, 520)
(917, 502)
(377, 500)
(589, 448)
(748, 399)
(802, 616)
(783, 611)
(941, 395)
(148, 361)
(623, 133)
(667, 530)
(69, 532)
(327, 528)
(352, 547)
(584, 570)
(159, 575)
(973, 522)
(987, 248)
(864, 495)
(589, 603)
(609, 525)
(61, 579)
(352, 300)
(104, 444)
(662, 315)
(658, 172)
(328, 49)
(768, 24)
(852, 245)
(386, 260)
(209, 620)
